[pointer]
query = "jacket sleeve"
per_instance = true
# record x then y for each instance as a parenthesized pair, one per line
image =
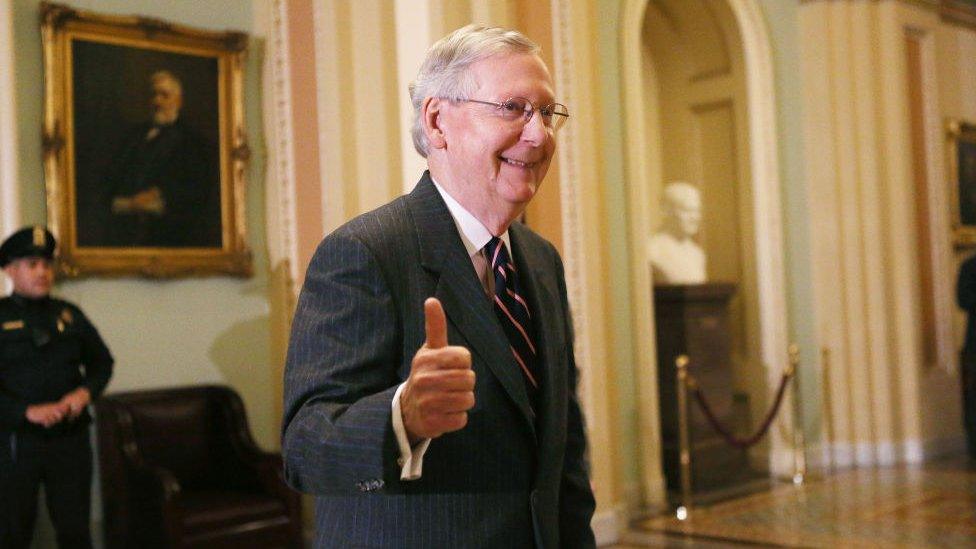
(341, 374)
(576, 501)
(95, 356)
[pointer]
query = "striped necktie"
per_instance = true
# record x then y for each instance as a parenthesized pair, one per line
(513, 313)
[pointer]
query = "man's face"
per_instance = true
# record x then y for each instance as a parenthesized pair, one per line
(496, 163)
(32, 276)
(166, 101)
(687, 212)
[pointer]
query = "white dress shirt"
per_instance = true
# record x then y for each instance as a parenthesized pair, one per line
(474, 235)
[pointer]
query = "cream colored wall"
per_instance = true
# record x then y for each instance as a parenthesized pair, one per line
(957, 75)
(360, 102)
(877, 394)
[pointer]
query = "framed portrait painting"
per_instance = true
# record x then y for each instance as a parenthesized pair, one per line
(144, 145)
(961, 155)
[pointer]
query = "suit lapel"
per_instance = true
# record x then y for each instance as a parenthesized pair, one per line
(461, 293)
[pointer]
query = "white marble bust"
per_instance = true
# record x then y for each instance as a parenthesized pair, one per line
(675, 255)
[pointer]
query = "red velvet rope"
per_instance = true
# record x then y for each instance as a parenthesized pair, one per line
(729, 437)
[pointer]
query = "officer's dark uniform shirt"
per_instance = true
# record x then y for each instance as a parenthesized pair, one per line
(47, 349)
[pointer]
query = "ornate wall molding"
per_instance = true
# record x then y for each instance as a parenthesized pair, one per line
(569, 168)
(584, 247)
(280, 176)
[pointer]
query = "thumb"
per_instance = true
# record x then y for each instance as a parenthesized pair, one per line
(435, 324)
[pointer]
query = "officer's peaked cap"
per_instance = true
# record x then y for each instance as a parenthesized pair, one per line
(33, 241)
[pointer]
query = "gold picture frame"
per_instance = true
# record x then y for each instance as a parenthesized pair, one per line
(961, 162)
(144, 145)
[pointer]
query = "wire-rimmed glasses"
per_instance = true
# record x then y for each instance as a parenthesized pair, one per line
(520, 109)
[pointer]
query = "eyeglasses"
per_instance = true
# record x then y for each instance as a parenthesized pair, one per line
(520, 109)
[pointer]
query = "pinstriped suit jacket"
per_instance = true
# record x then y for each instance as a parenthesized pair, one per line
(509, 478)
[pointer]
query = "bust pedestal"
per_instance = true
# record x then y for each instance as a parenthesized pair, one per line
(694, 320)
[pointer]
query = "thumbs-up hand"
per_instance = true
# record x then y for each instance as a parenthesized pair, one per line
(440, 389)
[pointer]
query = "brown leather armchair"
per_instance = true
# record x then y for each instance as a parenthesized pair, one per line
(179, 469)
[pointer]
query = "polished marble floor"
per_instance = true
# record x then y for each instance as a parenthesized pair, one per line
(906, 506)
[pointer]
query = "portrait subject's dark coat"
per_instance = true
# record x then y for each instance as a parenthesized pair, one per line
(184, 167)
(509, 478)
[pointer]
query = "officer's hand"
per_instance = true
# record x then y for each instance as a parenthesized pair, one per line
(47, 414)
(440, 389)
(75, 401)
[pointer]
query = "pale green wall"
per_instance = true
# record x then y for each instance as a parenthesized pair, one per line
(165, 333)
(782, 22)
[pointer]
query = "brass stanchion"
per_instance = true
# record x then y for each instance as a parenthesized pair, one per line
(799, 446)
(684, 510)
(828, 408)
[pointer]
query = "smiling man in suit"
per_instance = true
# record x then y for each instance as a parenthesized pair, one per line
(430, 387)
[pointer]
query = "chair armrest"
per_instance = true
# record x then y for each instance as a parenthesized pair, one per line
(156, 494)
(158, 481)
(272, 477)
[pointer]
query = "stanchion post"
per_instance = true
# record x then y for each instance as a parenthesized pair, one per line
(799, 445)
(684, 510)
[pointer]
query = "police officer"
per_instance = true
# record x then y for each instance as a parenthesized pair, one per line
(52, 364)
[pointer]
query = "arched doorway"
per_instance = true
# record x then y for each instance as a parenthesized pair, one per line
(698, 92)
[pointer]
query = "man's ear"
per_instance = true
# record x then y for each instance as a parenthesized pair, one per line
(431, 112)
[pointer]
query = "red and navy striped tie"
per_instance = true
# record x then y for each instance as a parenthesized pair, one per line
(513, 313)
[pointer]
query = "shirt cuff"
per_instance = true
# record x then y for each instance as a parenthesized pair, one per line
(411, 459)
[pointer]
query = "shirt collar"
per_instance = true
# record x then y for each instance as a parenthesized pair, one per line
(474, 234)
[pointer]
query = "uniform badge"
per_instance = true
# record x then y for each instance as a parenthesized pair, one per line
(66, 316)
(13, 325)
(60, 325)
(39, 235)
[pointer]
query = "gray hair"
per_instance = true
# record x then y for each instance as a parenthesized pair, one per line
(444, 72)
